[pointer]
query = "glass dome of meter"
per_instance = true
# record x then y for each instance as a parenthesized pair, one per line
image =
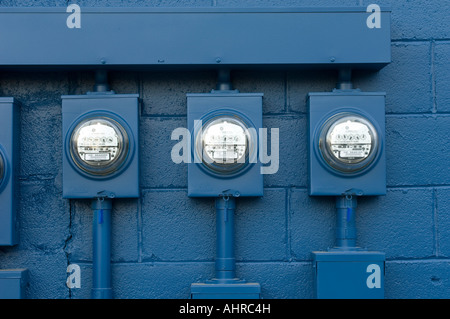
(224, 144)
(99, 146)
(348, 142)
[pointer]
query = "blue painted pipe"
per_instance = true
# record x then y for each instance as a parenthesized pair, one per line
(225, 261)
(346, 227)
(101, 260)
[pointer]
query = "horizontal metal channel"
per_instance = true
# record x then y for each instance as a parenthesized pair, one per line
(210, 37)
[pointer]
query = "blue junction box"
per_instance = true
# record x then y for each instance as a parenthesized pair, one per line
(13, 283)
(242, 290)
(357, 274)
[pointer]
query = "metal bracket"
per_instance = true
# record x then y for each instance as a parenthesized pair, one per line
(105, 194)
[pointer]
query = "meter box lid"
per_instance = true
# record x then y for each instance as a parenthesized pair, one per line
(9, 160)
(100, 141)
(13, 283)
(225, 291)
(346, 143)
(349, 274)
(348, 255)
(224, 143)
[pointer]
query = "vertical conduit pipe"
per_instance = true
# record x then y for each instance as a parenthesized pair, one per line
(101, 261)
(345, 79)
(346, 226)
(101, 81)
(225, 261)
(224, 80)
(101, 223)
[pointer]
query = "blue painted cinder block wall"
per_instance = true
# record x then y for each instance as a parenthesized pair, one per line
(165, 241)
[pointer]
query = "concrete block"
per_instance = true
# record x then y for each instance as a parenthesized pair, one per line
(443, 221)
(43, 218)
(177, 228)
(164, 93)
(312, 223)
(399, 224)
(416, 149)
(292, 170)
(157, 167)
(442, 76)
(421, 279)
(271, 83)
(424, 19)
(406, 81)
(260, 227)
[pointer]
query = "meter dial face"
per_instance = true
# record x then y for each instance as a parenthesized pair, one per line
(99, 146)
(224, 144)
(348, 142)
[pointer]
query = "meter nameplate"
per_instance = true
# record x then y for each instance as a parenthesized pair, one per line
(96, 157)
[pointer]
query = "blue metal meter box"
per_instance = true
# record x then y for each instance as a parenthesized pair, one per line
(13, 283)
(349, 275)
(346, 143)
(337, 36)
(224, 131)
(9, 161)
(100, 145)
(242, 290)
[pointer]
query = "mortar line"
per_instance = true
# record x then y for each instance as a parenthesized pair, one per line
(287, 197)
(287, 101)
(139, 230)
(435, 223)
(418, 115)
(433, 77)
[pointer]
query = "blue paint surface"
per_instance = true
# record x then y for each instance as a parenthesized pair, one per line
(164, 241)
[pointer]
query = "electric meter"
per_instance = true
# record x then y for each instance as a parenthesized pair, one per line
(101, 138)
(224, 143)
(99, 145)
(348, 142)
